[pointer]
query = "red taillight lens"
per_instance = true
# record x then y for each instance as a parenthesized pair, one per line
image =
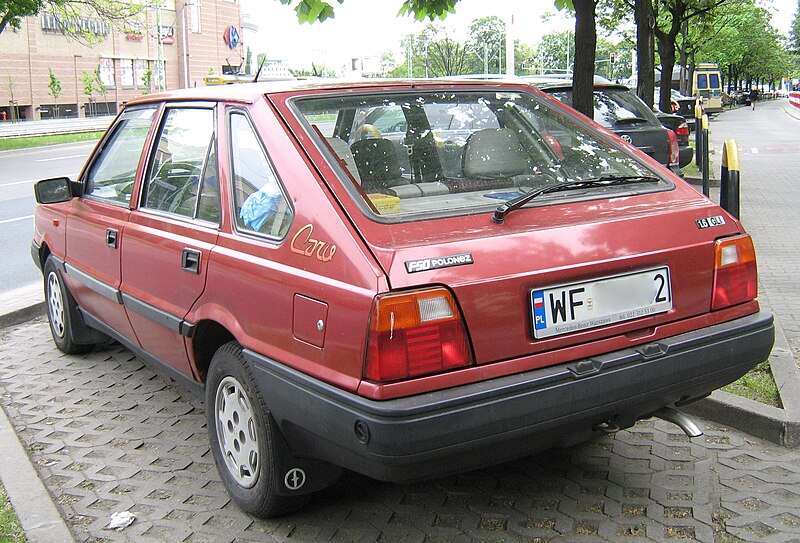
(683, 130)
(674, 156)
(735, 274)
(415, 333)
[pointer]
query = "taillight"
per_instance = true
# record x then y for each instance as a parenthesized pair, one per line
(415, 333)
(683, 130)
(674, 156)
(735, 274)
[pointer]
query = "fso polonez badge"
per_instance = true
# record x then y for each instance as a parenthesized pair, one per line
(427, 264)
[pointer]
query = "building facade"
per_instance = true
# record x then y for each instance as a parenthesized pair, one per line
(189, 38)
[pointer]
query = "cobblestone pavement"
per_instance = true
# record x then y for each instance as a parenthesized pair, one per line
(108, 434)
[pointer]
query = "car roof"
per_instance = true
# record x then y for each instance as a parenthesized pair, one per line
(250, 92)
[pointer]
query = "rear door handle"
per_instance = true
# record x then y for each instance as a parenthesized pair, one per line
(190, 260)
(111, 238)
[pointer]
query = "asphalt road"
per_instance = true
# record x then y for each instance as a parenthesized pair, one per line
(19, 170)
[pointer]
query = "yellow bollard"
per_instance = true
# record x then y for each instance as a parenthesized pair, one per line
(729, 178)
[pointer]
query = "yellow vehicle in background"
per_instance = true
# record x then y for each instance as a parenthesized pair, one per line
(707, 85)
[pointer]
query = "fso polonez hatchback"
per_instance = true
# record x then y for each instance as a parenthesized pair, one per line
(401, 278)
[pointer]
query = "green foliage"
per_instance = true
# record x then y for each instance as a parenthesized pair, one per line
(486, 43)
(122, 14)
(147, 79)
(428, 9)
(88, 81)
(54, 85)
(310, 11)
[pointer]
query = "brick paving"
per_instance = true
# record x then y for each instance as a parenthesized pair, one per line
(106, 434)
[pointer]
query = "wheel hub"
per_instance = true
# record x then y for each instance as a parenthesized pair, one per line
(55, 304)
(236, 432)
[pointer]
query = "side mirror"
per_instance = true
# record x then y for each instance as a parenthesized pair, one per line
(53, 191)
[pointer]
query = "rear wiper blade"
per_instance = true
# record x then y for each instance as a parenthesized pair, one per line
(630, 120)
(605, 181)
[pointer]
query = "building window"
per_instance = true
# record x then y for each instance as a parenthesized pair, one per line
(126, 72)
(194, 15)
(107, 72)
(140, 68)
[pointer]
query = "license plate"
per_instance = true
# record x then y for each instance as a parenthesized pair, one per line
(590, 304)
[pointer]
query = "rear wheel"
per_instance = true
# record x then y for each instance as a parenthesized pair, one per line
(61, 311)
(243, 437)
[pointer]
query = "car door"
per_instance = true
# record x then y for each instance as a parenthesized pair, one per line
(96, 224)
(170, 235)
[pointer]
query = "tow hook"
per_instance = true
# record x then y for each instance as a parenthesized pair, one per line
(681, 419)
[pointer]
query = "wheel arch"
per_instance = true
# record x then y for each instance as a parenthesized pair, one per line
(209, 335)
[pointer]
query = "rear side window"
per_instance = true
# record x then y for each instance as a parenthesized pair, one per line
(113, 172)
(183, 171)
(702, 81)
(259, 203)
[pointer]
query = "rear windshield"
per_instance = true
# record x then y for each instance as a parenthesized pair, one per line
(406, 155)
(614, 107)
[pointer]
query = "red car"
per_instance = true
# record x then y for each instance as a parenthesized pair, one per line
(475, 274)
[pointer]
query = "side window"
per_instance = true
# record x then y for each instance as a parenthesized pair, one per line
(260, 205)
(113, 172)
(183, 167)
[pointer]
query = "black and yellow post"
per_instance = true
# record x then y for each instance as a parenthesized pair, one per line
(706, 161)
(729, 179)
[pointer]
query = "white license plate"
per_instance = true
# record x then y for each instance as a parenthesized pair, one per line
(579, 306)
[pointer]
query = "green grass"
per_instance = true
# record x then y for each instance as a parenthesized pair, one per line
(10, 530)
(37, 141)
(758, 385)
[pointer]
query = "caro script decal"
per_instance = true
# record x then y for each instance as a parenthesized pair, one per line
(425, 264)
(304, 244)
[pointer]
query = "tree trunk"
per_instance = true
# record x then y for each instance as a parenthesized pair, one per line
(585, 45)
(666, 51)
(645, 59)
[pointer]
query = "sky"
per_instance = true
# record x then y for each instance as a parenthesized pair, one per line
(368, 28)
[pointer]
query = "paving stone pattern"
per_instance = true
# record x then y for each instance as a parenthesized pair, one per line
(108, 434)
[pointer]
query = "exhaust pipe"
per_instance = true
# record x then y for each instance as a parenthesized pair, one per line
(681, 419)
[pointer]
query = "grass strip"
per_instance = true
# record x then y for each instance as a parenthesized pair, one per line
(10, 529)
(38, 141)
(758, 385)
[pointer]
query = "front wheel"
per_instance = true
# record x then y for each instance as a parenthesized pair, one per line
(61, 311)
(243, 437)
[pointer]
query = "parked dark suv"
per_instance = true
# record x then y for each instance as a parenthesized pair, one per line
(617, 108)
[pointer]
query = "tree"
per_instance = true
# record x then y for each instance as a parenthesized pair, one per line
(486, 39)
(101, 88)
(55, 88)
(67, 12)
(88, 80)
(147, 79)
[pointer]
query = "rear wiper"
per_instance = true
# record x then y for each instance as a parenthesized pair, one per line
(606, 181)
(630, 120)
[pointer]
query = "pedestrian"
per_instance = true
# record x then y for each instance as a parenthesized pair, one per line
(753, 96)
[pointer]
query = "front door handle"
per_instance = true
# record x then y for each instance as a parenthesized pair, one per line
(111, 238)
(190, 260)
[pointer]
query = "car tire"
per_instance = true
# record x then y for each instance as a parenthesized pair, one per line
(243, 437)
(61, 311)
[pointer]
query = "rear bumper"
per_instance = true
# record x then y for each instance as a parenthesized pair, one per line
(484, 423)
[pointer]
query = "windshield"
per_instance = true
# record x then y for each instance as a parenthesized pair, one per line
(406, 155)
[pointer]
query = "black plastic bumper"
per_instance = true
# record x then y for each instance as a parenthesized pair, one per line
(488, 422)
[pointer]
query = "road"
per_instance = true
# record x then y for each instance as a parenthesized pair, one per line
(20, 170)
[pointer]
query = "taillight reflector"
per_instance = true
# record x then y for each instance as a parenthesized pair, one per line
(674, 156)
(415, 333)
(735, 273)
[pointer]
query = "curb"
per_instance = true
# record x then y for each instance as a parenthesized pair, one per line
(35, 509)
(780, 426)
